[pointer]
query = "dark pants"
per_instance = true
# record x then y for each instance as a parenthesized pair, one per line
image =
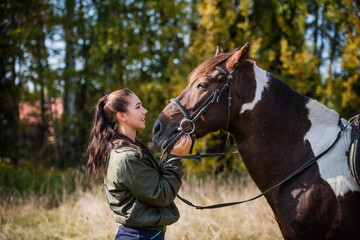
(126, 233)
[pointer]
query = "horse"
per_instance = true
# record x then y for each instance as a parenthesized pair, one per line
(276, 130)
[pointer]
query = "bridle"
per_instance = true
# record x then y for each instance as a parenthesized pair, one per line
(214, 97)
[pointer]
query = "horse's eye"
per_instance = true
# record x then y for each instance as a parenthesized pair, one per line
(202, 86)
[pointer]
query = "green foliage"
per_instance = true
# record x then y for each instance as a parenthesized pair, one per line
(30, 179)
(217, 167)
(80, 50)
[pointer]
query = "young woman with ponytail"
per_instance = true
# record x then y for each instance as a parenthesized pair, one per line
(139, 189)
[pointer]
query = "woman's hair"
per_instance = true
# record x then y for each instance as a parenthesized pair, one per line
(104, 135)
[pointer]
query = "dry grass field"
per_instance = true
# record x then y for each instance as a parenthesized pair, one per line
(85, 215)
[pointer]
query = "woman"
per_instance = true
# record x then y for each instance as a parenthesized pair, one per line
(140, 191)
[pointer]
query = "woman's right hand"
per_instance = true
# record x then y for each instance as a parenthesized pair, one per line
(181, 146)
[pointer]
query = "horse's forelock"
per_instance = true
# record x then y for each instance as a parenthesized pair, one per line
(208, 65)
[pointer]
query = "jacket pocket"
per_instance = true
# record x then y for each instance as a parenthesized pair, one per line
(169, 215)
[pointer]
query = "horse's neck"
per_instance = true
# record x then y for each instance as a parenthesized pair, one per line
(281, 130)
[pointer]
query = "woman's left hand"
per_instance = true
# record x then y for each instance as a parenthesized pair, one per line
(181, 146)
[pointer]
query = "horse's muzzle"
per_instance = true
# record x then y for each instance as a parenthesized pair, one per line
(157, 129)
(165, 139)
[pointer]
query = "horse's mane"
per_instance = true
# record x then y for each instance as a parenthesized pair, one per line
(210, 63)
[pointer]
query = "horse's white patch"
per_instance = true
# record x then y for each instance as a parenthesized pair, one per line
(261, 83)
(322, 133)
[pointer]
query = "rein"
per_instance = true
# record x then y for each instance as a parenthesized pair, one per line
(293, 174)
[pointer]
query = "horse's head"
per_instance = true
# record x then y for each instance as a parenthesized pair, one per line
(203, 106)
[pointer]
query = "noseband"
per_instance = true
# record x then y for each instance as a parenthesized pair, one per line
(214, 97)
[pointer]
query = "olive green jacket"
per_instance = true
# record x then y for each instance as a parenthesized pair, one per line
(140, 192)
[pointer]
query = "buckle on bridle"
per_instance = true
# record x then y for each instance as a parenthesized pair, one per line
(192, 126)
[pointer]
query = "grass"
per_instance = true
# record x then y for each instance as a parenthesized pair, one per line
(84, 214)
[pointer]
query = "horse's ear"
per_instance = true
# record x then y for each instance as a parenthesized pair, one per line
(238, 58)
(217, 50)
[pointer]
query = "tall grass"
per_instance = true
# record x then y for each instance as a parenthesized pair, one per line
(84, 214)
(18, 183)
(252, 220)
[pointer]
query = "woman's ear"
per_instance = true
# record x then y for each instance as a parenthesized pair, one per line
(120, 116)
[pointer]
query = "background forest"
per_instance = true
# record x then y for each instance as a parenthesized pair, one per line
(57, 58)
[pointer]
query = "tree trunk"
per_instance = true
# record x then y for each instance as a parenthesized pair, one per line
(70, 82)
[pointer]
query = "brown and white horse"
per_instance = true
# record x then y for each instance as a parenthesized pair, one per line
(276, 130)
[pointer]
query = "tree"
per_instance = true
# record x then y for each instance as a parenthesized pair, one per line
(23, 65)
(150, 47)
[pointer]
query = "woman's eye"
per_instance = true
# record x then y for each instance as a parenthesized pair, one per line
(202, 86)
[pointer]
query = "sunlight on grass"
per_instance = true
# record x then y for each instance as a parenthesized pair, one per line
(253, 220)
(86, 215)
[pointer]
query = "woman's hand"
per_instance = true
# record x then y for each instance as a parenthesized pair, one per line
(181, 146)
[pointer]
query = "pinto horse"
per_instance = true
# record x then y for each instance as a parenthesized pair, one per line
(276, 130)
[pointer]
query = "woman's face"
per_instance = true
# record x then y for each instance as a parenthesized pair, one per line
(135, 115)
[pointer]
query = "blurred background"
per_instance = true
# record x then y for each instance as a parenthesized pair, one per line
(59, 57)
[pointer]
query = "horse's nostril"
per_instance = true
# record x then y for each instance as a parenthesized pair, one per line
(157, 128)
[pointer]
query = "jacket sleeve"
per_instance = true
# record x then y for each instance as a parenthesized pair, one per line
(146, 183)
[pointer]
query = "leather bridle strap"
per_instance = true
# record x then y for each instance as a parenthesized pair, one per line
(198, 156)
(226, 73)
(229, 108)
(181, 108)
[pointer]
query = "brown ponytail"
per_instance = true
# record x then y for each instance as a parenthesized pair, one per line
(104, 135)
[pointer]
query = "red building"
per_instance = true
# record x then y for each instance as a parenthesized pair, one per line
(30, 112)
